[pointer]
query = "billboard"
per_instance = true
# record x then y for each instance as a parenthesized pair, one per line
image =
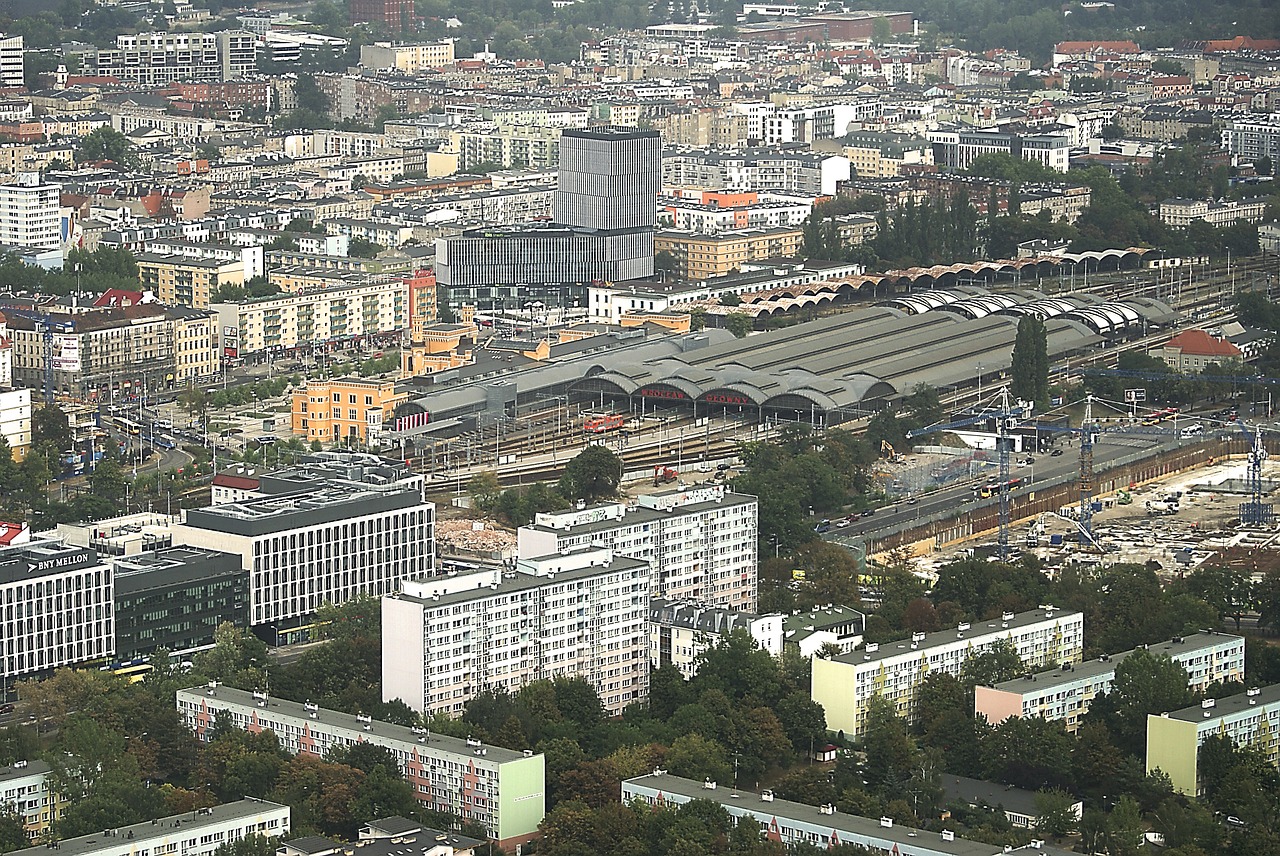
(66, 353)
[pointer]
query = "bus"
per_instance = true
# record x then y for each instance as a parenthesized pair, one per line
(603, 424)
(992, 488)
(134, 673)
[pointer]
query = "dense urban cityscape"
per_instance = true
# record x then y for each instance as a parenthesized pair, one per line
(699, 429)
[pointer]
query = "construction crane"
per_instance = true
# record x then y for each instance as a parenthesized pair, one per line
(1255, 512)
(1005, 417)
(46, 324)
(1088, 432)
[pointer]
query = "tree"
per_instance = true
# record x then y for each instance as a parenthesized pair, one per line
(592, 475)
(1055, 813)
(696, 757)
(107, 144)
(1144, 684)
(739, 324)
(485, 489)
(108, 480)
(50, 432)
(363, 249)
(1227, 590)
(1124, 828)
(1029, 376)
(13, 833)
(890, 750)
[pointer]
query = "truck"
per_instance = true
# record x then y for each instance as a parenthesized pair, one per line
(1161, 506)
(664, 475)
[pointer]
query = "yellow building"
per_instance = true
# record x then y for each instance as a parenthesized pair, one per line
(195, 344)
(701, 256)
(439, 347)
(1251, 718)
(344, 409)
(183, 281)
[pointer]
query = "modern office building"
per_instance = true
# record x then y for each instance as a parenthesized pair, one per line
(194, 833)
(700, 541)
(30, 213)
(1066, 693)
(56, 609)
(325, 545)
(605, 208)
(1251, 718)
(792, 823)
(680, 632)
(12, 68)
(958, 149)
(575, 614)
(159, 58)
(175, 599)
(25, 790)
(500, 789)
(844, 685)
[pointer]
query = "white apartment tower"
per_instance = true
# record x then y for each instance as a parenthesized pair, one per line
(578, 613)
(30, 213)
(700, 541)
(12, 70)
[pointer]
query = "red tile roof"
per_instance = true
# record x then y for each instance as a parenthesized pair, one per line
(1200, 344)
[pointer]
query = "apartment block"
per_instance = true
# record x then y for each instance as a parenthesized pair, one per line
(56, 609)
(12, 68)
(160, 58)
(344, 409)
(501, 789)
(700, 256)
(408, 58)
(15, 419)
(823, 827)
(186, 281)
(844, 685)
(1066, 693)
(1252, 137)
(779, 171)
(680, 633)
(30, 213)
(368, 306)
(1251, 718)
(25, 790)
(194, 833)
(328, 543)
(711, 212)
(700, 541)
(580, 613)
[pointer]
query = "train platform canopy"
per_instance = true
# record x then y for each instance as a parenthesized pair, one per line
(840, 366)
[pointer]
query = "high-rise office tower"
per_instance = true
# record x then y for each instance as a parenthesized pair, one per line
(12, 70)
(609, 179)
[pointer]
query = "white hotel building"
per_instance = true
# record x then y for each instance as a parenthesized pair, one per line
(55, 610)
(700, 541)
(580, 613)
(845, 684)
(328, 544)
(1066, 693)
(501, 789)
(194, 833)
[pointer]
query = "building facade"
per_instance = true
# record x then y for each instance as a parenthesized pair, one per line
(845, 684)
(1251, 718)
(15, 420)
(700, 542)
(1066, 693)
(328, 544)
(12, 67)
(823, 827)
(375, 305)
(56, 609)
(185, 281)
(160, 58)
(175, 599)
(194, 833)
(1251, 138)
(409, 58)
(30, 213)
(680, 633)
(700, 256)
(344, 409)
(25, 790)
(500, 789)
(1183, 212)
(577, 614)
